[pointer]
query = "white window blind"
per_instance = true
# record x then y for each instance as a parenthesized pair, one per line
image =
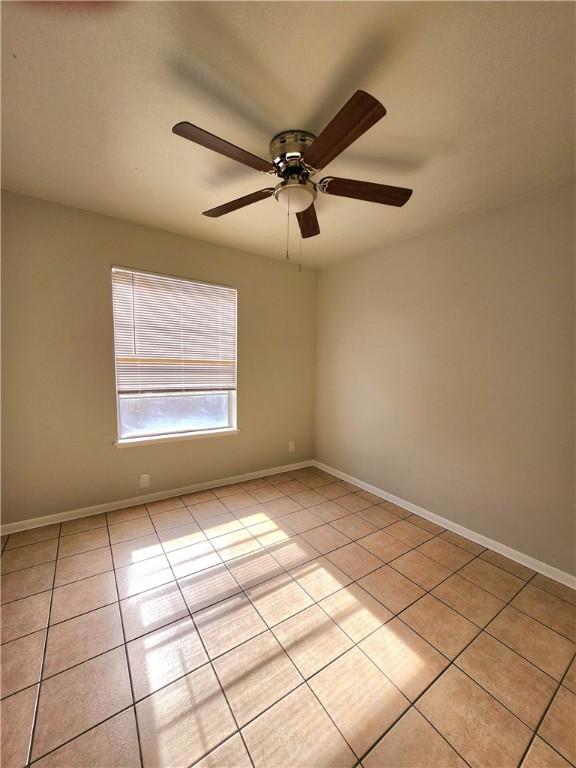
(172, 334)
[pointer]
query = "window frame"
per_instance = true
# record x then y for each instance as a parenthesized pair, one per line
(232, 429)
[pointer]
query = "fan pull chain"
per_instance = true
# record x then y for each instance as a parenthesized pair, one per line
(300, 255)
(288, 233)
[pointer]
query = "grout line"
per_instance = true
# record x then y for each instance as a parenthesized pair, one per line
(126, 658)
(41, 672)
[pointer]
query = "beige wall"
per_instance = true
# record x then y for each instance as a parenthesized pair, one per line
(445, 373)
(59, 409)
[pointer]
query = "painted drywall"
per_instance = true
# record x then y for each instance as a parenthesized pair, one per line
(59, 408)
(445, 373)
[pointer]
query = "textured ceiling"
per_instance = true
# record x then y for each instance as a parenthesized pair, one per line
(480, 100)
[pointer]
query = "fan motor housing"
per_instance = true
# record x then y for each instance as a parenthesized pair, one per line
(287, 149)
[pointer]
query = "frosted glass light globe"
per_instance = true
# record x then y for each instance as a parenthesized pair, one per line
(295, 198)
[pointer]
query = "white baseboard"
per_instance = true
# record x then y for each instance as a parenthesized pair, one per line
(110, 506)
(536, 565)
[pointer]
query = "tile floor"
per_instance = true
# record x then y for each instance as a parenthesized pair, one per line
(293, 620)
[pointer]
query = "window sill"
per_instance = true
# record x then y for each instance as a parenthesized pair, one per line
(126, 443)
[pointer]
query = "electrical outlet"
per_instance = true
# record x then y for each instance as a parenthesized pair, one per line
(291, 446)
(144, 481)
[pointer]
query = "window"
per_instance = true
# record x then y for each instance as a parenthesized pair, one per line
(175, 347)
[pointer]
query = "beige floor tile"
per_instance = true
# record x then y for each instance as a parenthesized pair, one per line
(354, 560)
(183, 536)
(290, 488)
(279, 477)
(227, 624)
(239, 501)
(131, 529)
(26, 557)
(235, 544)
(82, 524)
(207, 587)
(297, 732)
(172, 518)
(136, 550)
(162, 656)
(353, 526)
(113, 744)
(391, 588)
(266, 494)
(311, 639)
(33, 536)
(377, 703)
(139, 577)
(537, 643)
(231, 754)
(353, 503)
(271, 532)
(334, 490)
(21, 663)
(378, 516)
(445, 629)
(83, 542)
(254, 568)
(255, 675)
(17, 715)
(222, 491)
(428, 525)
(471, 601)
(218, 526)
(413, 743)
(320, 578)
(441, 551)
(325, 538)
(24, 616)
(28, 582)
(76, 640)
(164, 505)
(491, 578)
(384, 546)
(463, 542)
(473, 722)
(395, 508)
(355, 611)
(407, 659)
(570, 679)
(292, 553)
(204, 510)
(279, 598)
(281, 506)
(83, 596)
(540, 755)
(99, 689)
(559, 725)
(516, 569)
(555, 613)
(196, 557)
(183, 721)
(308, 498)
(328, 511)
(253, 515)
(303, 520)
(523, 688)
(554, 588)
(151, 610)
(408, 533)
(128, 513)
(82, 566)
(191, 499)
(420, 569)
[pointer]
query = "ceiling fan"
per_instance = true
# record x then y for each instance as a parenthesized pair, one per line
(298, 155)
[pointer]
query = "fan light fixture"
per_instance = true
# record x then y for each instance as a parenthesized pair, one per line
(295, 197)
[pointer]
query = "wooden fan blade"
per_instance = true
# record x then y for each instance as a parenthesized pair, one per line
(308, 222)
(240, 202)
(208, 140)
(354, 119)
(365, 190)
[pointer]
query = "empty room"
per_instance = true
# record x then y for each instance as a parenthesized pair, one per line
(288, 385)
